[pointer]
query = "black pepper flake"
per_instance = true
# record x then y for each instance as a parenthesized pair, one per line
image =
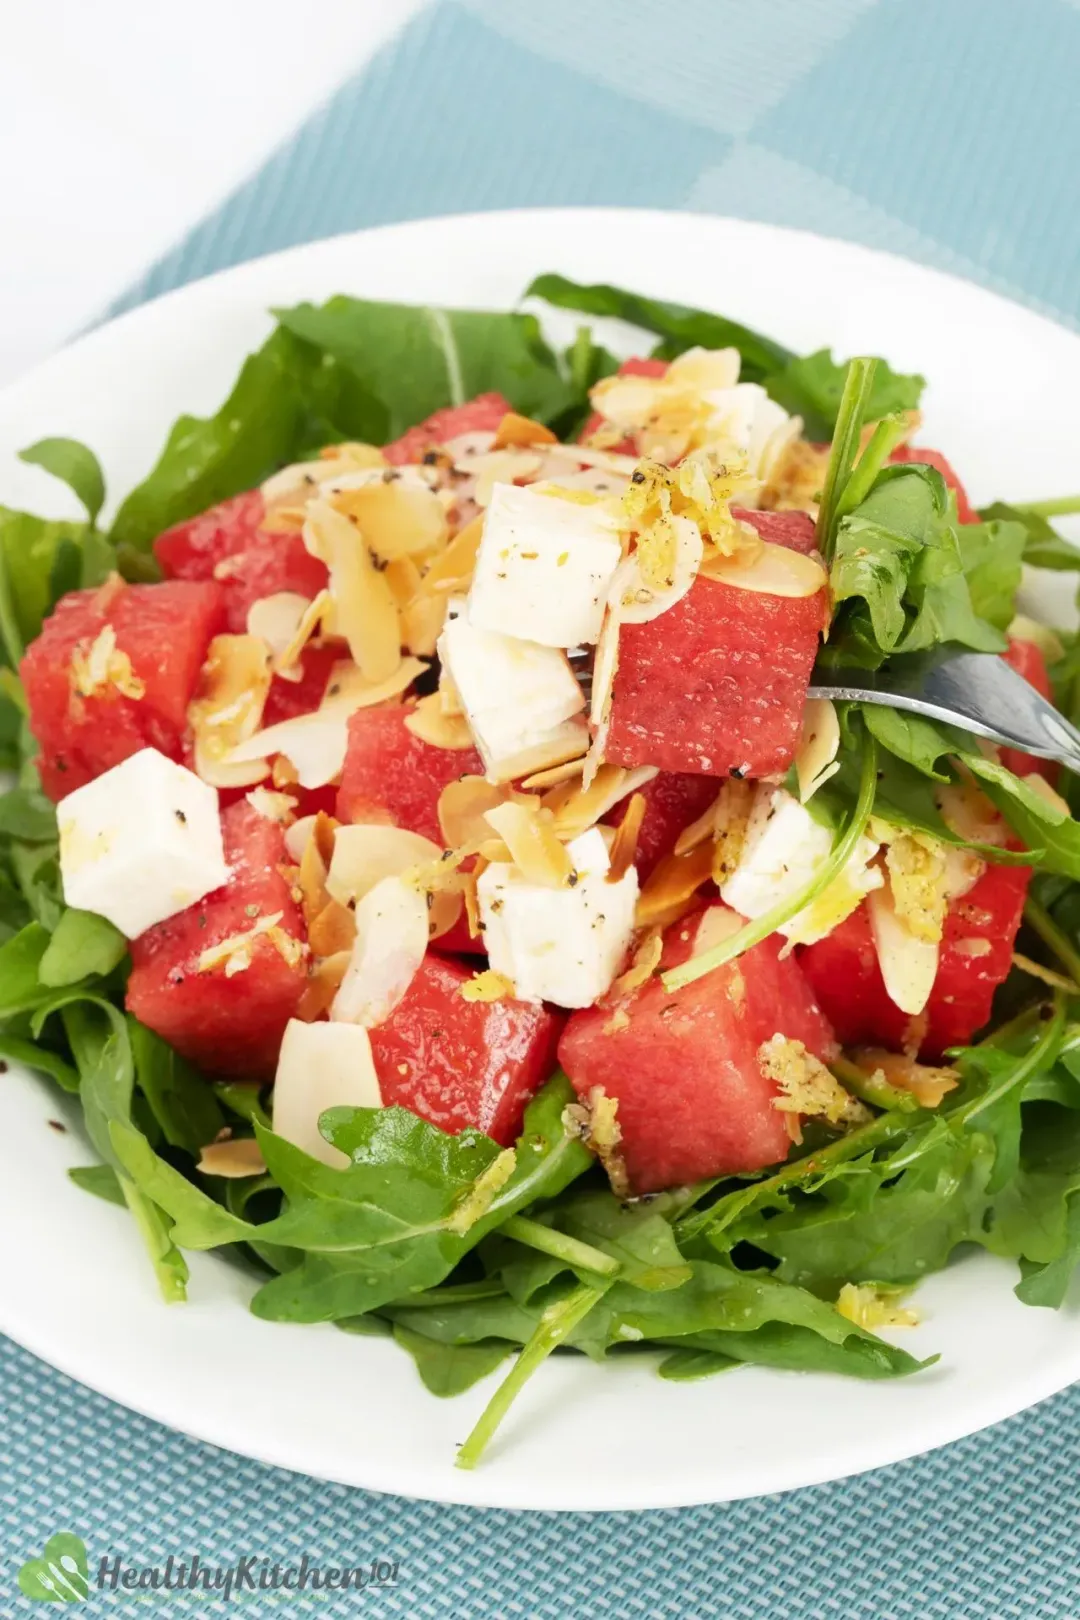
(3, 1067)
(333, 689)
(430, 458)
(572, 880)
(181, 818)
(737, 772)
(637, 476)
(202, 919)
(437, 1034)
(391, 475)
(309, 478)
(57, 1125)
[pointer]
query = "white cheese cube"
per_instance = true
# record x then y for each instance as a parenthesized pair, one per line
(322, 1066)
(560, 945)
(782, 850)
(516, 695)
(141, 842)
(544, 567)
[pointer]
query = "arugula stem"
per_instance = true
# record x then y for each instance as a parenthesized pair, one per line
(554, 1327)
(876, 1092)
(1062, 506)
(845, 444)
(1043, 1052)
(883, 441)
(754, 932)
(1038, 918)
(581, 1256)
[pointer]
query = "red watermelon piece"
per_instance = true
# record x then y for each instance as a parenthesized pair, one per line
(792, 529)
(673, 799)
(392, 775)
(906, 453)
(717, 683)
(456, 1062)
(164, 630)
(287, 699)
(227, 543)
(843, 971)
(225, 1024)
(692, 1099)
(1027, 660)
(480, 415)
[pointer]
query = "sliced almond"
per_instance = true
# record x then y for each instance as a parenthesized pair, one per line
(521, 430)
(819, 744)
(1038, 784)
(908, 965)
(774, 571)
(566, 741)
(463, 808)
(397, 512)
(643, 964)
(276, 619)
(577, 808)
(643, 594)
(322, 986)
(502, 467)
(229, 699)
(367, 852)
(623, 850)
(452, 570)
(534, 848)
(277, 807)
(296, 484)
(675, 880)
(422, 622)
(364, 611)
(391, 942)
(333, 930)
(570, 770)
(233, 1158)
(430, 722)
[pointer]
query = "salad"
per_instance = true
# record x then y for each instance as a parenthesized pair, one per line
(424, 863)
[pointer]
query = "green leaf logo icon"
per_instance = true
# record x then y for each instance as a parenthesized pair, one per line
(61, 1574)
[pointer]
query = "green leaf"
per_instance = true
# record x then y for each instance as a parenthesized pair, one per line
(688, 1366)
(20, 962)
(75, 466)
(992, 556)
(450, 1369)
(28, 548)
(40, 1058)
(679, 326)
(1043, 546)
(206, 459)
(181, 1101)
(812, 387)
(101, 1180)
(414, 360)
(26, 813)
(82, 946)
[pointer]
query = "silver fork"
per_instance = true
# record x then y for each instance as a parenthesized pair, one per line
(976, 692)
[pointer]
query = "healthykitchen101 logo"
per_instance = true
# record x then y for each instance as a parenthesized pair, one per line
(62, 1575)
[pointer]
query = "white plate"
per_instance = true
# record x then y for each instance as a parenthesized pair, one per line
(75, 1288)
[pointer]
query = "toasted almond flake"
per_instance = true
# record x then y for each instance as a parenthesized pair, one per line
(276, 618)
(796, 477)
(568, 771)
(315, 743)
(806, 1087)
(674, 881)
(404, 578)
(908, 964)
(453, 569)
(530, 837)
(322, 986)
(364, 611)
(605, 668)
(286, 662)
(232, 1157)
(624, 848)
(278, 807)
(282, 773)
(643, 964)
(577, 808)
(1036, 970)
(1038, 784)
(227, 707)
(99, 665)
(520, 431)
(430, 722)
(293, 486)
(502, 467)
(333, 930)
(703, 828)
(422, 622)
(472, 898)
(401, 517)
(391, 942)
(366, 852)
(775, 571)
(915, 863)
(312, 870)
(235, 953)
(928, 1083)
(566, 741)
(644, 594)
(819, 744)
(463, 807)
(297, 836)
(596, 1123)
(731, 819)
(488, 986)
(872, 1307)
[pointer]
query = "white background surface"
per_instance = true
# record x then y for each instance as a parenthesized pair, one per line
(302, 1397)
(123, 122)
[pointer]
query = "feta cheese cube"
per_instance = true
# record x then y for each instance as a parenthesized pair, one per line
(561, 945)
(544, 566)
(517, 696)
(782, 849)
(322, 1066)
(140, 842)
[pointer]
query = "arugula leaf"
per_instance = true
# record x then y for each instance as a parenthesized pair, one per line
(83, 945)
(812, 387)
(28, 551)
(677, 325)
(101, 1180)
(75, 466)
(41, 1058)
(20, 959)
(1043, 546)
(414, 361)
(992, 556)
(26, 813)
(183, 1104)
(447, 1369)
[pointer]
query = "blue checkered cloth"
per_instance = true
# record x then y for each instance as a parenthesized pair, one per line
(946, 130)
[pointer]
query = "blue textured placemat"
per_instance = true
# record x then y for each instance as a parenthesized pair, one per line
(944, 129)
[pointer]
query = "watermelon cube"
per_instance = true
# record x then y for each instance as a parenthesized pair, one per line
(227, 1013)
(974, 958)
(683, 1065)
(480, 415)
(456, 1062)
(392, 775)
(112, 672)
(673, 799)
(227, 544)
(717, 684)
